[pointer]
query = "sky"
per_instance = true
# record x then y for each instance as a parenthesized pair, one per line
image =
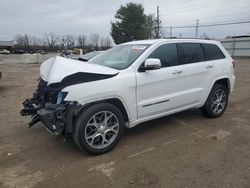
(36, 17)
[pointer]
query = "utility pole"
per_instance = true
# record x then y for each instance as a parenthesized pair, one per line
(158, 24)
(170, 32)
(197, 29)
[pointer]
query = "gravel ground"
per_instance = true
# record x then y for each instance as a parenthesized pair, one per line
(181, 150)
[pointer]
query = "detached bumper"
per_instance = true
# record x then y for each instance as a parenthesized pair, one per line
(52, 116)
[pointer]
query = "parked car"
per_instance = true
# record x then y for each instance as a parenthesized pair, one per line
(66, 53)
(85, 57)
(4, 51)
(129, 84)
(40, 51)
(88, 56)
(19, 51)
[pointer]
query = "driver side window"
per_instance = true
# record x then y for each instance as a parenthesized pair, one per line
(167, 53)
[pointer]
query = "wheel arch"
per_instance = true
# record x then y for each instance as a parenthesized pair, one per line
(223, 81)
(78, 108)
(116, 101)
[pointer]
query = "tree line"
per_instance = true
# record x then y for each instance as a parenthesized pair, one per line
(130, 23)
(52, 42)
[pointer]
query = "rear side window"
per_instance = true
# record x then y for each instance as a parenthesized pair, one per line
(191, 53)
(167, 53)
(212, 52)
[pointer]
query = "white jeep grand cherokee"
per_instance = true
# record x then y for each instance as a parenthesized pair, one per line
(129, 84)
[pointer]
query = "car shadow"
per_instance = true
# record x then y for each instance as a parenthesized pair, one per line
(67, 145)
(163, 122)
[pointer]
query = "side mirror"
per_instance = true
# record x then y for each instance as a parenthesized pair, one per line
(152, 63)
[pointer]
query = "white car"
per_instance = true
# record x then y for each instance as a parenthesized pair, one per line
(4, 51)
(129, 84)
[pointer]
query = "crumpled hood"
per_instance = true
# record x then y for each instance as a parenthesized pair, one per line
(55, 69)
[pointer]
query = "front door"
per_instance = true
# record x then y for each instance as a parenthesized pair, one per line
(160, 91)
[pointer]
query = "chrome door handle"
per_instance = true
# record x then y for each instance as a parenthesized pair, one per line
(209, 66)
(177, 72)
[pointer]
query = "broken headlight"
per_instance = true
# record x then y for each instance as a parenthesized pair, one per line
(60, 97)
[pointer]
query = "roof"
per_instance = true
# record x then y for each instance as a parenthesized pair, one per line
(6, 43)
(152, 41)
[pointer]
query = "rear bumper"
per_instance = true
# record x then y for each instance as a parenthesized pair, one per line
(232, 83)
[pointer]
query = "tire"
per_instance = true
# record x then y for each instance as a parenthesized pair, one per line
(98, 128)
(216, 102)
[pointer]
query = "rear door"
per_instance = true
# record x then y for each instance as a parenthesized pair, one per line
(160, 91)
(198, 72)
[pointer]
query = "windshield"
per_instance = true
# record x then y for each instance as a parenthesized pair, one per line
(121, 56)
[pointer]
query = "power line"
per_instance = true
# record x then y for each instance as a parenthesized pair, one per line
(214, 15)
(210, 24)
(195, 7)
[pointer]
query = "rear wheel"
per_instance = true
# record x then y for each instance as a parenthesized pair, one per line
(216, 102)
(98, 128)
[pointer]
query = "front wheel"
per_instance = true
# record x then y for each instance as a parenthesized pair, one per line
(98, 128)
(216, 102)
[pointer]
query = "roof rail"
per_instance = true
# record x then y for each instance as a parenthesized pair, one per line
(187, 38)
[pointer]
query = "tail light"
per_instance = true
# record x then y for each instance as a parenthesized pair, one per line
(233, 62)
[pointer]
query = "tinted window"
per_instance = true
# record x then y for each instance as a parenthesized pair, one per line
(212, 52)
(191, 53)
(167, 53)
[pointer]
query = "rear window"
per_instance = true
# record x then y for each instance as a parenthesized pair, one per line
(191, 53)
(212, 52)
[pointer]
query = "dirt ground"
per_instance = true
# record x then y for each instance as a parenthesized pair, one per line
(181, 150)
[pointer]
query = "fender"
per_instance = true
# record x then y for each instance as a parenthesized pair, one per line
(211, 86)
(98, 100)
(76, 108)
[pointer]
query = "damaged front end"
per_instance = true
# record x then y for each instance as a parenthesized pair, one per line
(47, 105)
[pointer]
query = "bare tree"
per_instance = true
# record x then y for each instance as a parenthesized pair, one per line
(19, 39)
(51, 40)
(81, 41)
(94, 40)
(105, 43)
(204, 36)
(108, 42)
(70, 41)
(22, 40)
(35, 41)
(102, 42)
(151, 26)
(63, 42)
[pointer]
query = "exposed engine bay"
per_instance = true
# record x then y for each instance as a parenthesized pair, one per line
(45, 105)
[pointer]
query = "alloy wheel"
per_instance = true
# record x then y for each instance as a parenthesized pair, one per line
(101, 129)
(218, 102)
